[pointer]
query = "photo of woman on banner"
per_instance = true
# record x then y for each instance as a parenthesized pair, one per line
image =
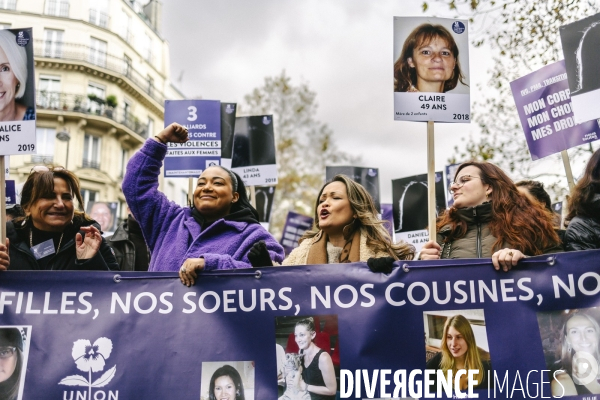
(11, 362)
(428, 62)
(459, 351)
(14, 80)
(318, 373)
(53, 235)
(346, 229)
(216, 232)
(226, 383)
(490, 218)
(579, 357)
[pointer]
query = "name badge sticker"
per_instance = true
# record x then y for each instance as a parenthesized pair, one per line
(43, 249)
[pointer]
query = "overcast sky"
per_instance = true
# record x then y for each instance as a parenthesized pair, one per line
(342, 48)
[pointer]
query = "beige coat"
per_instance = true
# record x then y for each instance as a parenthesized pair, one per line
(299, 255)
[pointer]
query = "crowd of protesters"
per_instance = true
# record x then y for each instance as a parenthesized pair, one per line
(492, 217)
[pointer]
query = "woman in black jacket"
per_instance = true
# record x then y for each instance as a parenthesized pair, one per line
(583, 230)
(53, 235)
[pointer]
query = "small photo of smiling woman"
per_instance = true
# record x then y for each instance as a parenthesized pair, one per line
(457, 340)
(14, 351)
(571, 343)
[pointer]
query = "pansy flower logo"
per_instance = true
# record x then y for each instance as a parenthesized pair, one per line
(91, 358)
(266, 120)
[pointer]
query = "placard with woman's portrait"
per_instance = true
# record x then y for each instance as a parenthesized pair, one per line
(431, 70)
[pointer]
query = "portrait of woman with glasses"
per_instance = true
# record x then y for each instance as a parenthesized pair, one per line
(490, 218)
(54, 235)
(11, 362)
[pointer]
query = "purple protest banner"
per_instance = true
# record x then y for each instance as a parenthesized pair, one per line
(202, 118)
(295, 226)
(544, 105)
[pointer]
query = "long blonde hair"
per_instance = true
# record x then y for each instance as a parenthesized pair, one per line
(378, 238)
(472, 359)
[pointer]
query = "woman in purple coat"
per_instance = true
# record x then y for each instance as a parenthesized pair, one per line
(216, 232)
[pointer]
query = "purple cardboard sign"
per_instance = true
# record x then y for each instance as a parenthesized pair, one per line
(11, 194)
(544, 104)
(295, 226)
(202, 118)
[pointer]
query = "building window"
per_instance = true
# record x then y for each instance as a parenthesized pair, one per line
(45, 145)
(147, 47)
(123, 163)
(150, 128)
(98, 52)
(96, 98)
(88, 195)
(99, 13)
(150, 85)
(53, 42)
(58, 8)
(8, 5)
(125, 29)
(48, 95)
(91, 152)
(126, 66)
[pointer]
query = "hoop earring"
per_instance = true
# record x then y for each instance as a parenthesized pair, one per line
(18, 86)
(348, 228)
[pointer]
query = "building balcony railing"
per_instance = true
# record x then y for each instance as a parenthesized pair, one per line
(79, 52)
(99, 18)
(91, 164)
(81, 103)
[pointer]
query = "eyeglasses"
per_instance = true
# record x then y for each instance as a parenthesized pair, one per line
(45, 168)
(460, 181)
(7, 352)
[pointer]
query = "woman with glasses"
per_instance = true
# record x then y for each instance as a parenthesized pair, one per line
(53, 235)
(490, 218)
(11, 362)
(216, 232)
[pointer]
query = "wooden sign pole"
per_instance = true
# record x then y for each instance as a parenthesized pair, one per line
(567, 164)
(431, 181)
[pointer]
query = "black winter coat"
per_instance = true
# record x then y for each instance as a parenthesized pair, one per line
(21, 258)
(583, 233)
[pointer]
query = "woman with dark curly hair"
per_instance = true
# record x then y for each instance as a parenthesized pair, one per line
(490, 218)
(583, 229)
(428, 62)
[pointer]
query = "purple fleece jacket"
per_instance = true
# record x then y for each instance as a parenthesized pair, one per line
(172, 233)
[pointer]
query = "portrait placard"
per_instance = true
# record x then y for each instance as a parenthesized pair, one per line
(17, 108)
(431, 70)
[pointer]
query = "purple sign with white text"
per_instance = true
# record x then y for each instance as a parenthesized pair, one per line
(295, 226)
(202, 118)
(544, 104)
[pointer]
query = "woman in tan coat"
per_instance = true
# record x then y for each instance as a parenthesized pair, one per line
(346, 230)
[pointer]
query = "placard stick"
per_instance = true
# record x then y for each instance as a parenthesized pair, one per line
(191, 190)
(567, 164)
(431, 181)
(2, 200)
(253, 196)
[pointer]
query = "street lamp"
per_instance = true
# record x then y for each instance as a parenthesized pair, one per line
(64, 136)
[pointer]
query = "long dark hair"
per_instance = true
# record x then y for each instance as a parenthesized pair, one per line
(405, 76)
(515, 220)
(227, 370)
(580, 202)
(536, 189)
